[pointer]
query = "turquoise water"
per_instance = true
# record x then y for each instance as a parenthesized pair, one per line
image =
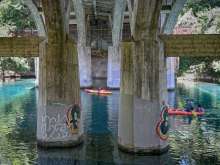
(192, 140)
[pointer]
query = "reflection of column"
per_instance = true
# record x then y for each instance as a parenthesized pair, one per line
(114, 59)
(171, 76)
(214, 97)
(126, 158)
(87, 110)
(113, 106)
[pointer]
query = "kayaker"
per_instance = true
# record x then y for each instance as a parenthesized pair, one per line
(199, 108)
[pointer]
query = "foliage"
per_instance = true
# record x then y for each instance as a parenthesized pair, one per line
(200, 65)
(14, 64)
(201, 9)
(201, 5)
(15, 16)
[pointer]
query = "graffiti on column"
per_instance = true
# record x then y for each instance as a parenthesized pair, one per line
(73, 118)
(162, 127)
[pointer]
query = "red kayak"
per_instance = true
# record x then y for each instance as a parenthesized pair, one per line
(184, 113)
(99, 92)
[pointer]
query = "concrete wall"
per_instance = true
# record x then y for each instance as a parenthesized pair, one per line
(99, 67)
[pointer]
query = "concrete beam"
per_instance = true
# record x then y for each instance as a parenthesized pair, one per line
(173, 16)
(118, 19)
(36, 16)
(20, 47)
(195, 45)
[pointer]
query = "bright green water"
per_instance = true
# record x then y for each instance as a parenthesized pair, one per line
(192, 140)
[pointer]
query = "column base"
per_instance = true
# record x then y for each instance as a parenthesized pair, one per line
(143, 151)
(60, 144)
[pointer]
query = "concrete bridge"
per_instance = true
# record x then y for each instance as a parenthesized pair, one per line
(140, 37)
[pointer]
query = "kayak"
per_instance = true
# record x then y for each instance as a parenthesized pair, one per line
(99, 92)
(184, 113)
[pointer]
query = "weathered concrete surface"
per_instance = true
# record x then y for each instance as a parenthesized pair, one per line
(84, 53)
(143, 86)
(171, 73)
(59, 80)
(114, 58)
(138, 116)
(99, 67)
(36, 68)
(114, 52)
(193, 45)
(20, 47)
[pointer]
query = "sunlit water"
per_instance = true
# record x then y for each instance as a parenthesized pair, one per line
(192, 140)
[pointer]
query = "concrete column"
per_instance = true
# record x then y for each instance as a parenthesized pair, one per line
(84, 53)
(36, 65)
(59, 114)
(139, 116)
(85, 66)
(171, 73)
(143, 123)
(114, 60)
(114, 52)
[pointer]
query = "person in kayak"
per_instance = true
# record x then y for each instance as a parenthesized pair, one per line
(189, 106)
(199, 109)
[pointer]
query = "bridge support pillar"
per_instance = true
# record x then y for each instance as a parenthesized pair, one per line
(59, 114)
(143, 118)
(142, 93)
(114, 52)
(114, 66)
(85, 66)
(171, 73)
(36, 68)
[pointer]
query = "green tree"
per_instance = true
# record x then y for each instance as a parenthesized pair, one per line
(208, 65)
(15, 16)
(14, 64)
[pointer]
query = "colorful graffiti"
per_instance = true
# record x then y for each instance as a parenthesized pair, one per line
(162, 127)
(73, 118)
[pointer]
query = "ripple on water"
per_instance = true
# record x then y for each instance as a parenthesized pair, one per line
(192, 140)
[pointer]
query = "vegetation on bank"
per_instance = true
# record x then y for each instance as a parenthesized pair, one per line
(205, 16)
(14, 21)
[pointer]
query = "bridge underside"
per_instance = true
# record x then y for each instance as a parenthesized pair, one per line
(20, 47)
(195, 45)
(143, 71)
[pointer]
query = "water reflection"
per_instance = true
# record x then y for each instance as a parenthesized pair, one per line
(17, 138)
(197, 139)
(192, 140)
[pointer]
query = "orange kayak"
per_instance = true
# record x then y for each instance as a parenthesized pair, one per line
(99, 92)
(184, 113)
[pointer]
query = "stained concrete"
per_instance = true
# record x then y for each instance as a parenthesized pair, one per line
(114, 60)
(85, 66)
